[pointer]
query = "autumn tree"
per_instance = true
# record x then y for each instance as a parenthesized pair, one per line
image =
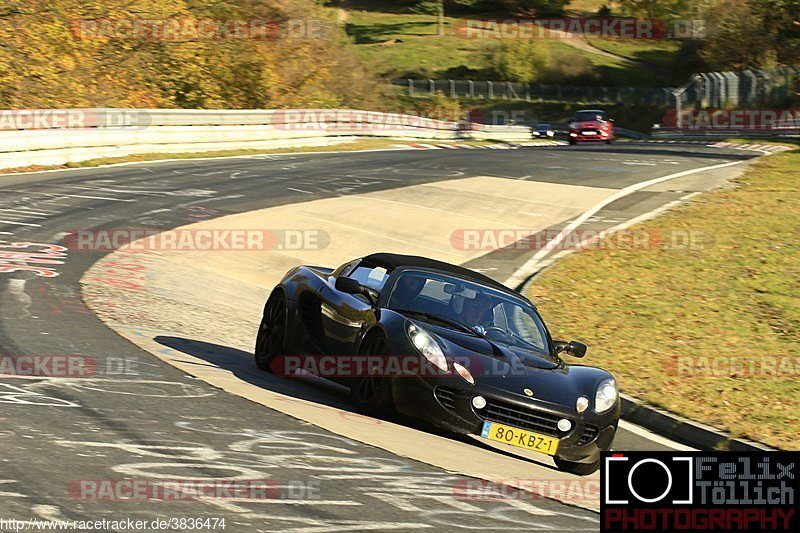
(46, 60)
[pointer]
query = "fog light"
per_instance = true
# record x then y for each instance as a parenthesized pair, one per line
(582, 404)
(479, 402)
(564, 425)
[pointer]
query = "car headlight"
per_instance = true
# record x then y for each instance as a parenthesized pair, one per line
(606, 395)
(427, 346)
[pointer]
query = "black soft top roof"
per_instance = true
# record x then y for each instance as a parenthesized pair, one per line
(394, 261)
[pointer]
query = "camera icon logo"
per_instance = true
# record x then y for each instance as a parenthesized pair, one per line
(648, 480)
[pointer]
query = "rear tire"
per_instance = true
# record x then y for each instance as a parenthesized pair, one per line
(609, 141)
(271, 332)
(573, 142)
(372, 395)
(579, 469)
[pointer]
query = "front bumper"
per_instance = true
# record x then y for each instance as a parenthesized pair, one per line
(577, 136)
(447, 403)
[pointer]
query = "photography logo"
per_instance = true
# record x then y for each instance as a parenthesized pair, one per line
(699, 491)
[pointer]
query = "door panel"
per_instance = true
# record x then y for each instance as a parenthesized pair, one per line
(343, 318)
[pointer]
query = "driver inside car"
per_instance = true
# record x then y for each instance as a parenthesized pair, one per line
(478, 311)
(406, 291)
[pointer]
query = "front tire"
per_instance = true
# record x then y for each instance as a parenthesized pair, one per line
(372, 394)
(271, 332)
(579, 469)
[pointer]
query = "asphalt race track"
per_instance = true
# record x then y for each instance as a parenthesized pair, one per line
(157, 422)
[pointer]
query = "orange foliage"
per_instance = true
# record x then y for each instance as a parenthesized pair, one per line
(46, 62)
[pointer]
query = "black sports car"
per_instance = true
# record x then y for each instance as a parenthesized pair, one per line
(484, 362)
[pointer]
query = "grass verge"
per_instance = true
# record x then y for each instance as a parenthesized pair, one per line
(661, 317)
(406, 45)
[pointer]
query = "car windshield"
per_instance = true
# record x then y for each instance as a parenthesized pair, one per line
(587, 116)
(461, 304)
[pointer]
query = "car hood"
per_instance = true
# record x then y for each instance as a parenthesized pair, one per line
(591, 124)
(513, 369)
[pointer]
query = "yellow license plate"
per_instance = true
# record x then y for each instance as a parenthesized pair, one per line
(519, 437)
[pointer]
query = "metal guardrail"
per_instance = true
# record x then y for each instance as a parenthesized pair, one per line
(744, 89)
(52, 137)
(716, 135)
(35, 119)
(532, 92)
(769, 86)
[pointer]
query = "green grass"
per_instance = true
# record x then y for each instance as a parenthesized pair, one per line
(422, 52)
(406, 45)
(660, 53)
(658, 57)
(604, 70)
(736, 294)
(589, 7)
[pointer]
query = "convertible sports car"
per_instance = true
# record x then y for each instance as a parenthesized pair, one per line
(487, 365)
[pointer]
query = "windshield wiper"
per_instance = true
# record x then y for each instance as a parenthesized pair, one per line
(447, 320)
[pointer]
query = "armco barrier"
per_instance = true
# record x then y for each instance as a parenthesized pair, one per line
(53, 137)
(716, 135)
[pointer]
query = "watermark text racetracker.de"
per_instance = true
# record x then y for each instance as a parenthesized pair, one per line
(580, 28)
(517, 239)
(354, 120)
(170, 490)
(35, 119)
(573, 490)
(182, 29)
(738, 366)
(66, 366)
(758, 120)
(391, 366)
(211, 239)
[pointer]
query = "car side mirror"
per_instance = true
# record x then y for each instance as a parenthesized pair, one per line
(573, 348)
(351, 286)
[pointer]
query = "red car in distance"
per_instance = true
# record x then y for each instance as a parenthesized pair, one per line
(591, 125)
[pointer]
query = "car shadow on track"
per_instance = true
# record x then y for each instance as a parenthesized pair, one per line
(309, 388)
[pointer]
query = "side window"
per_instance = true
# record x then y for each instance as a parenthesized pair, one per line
(526, 327)
(500, 318)
(372, 277)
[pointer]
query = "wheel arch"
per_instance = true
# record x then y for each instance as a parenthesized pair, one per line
(375, 330)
